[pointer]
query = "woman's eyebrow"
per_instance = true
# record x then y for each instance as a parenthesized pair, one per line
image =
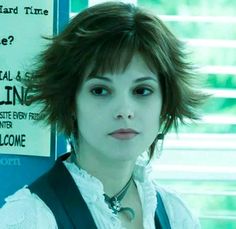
(135, 81)
(145, 79)
(99, 77)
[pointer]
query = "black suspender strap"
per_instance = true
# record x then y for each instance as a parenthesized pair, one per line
(161, 218)
(60, 193)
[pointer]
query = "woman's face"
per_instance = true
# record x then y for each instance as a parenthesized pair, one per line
(110, 102)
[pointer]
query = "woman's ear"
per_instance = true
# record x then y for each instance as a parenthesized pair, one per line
(159, 144)
(156, 147)
(74, 125)
(73, 138)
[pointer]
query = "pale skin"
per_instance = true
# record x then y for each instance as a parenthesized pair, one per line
(105, 103)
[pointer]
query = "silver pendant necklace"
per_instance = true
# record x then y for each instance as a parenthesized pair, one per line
(114, 202)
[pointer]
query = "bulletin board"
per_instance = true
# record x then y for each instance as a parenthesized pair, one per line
(27, 147)
(23, 23)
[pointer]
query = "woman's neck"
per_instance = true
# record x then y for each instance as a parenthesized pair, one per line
(112, 173)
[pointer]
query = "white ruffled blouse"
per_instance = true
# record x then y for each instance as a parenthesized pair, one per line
(25, 210)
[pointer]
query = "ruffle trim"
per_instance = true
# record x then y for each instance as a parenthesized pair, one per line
(92, 191)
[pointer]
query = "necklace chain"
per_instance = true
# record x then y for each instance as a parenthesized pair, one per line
(114, 202)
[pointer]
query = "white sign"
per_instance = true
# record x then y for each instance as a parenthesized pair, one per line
(22, 25)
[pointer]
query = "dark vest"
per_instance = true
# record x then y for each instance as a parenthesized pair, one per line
(60, 193)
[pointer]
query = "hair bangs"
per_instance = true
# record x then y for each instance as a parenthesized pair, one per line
(114, 55)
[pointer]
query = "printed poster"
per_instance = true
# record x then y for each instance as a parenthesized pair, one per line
(22, 25)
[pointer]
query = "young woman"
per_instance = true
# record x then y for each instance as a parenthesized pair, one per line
(114, 81)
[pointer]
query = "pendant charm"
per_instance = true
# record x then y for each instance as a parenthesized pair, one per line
(114, 202)
(115, 205)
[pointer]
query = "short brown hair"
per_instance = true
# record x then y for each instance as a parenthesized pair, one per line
(107, 35)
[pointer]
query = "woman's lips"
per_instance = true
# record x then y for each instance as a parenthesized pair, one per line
(124, 134)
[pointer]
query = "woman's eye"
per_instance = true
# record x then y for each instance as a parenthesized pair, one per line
(99, 91)
(143, 91)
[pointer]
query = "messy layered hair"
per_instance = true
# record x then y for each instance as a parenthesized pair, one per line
(106, 37)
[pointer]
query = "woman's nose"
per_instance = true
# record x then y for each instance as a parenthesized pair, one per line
(124, 110)
(124, 115)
